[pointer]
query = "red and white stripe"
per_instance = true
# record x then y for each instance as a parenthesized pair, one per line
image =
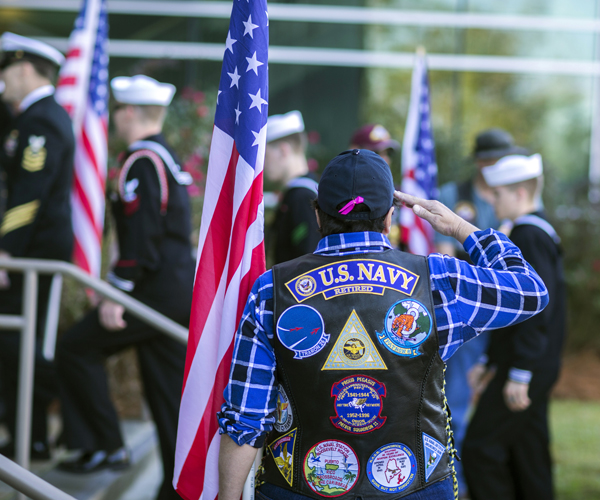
(416, 233)
(91, 145)
(230, 259)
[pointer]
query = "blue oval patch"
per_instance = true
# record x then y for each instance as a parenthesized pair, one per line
(392, 468)
(301, 329)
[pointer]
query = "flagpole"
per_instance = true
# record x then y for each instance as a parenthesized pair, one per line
(249, 485)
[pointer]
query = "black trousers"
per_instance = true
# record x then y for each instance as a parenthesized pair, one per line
(89, 417)
(45, 386)
(506, 454)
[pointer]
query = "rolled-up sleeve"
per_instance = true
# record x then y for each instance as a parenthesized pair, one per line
(248, 413)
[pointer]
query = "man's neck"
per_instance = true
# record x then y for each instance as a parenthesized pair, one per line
(140, 131)
(297, 167)
(30, 89)
(526, 208)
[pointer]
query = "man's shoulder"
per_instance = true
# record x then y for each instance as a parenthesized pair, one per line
(529, 236)
(48, 114)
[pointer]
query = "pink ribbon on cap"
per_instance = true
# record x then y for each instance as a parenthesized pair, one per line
(346, 209)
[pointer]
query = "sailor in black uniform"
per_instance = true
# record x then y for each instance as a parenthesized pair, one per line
(156, 266)
(294, 231)
(506, 450)
(36, 161)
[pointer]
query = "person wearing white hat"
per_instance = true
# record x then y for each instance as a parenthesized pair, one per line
(472, 200)
(506, 450)
(294, 231)
(36, 161)
(152, 213)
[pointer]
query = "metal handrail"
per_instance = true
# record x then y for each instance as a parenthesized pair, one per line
(135, 307)
(26, 482)
(27, 324)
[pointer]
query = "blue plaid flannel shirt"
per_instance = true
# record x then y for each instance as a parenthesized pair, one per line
(502, 289)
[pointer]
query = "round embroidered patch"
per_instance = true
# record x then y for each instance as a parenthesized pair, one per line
(285, 417)
(392, 468)
(306, 285)
(331, 468)
(358, 402)
(407, 325)
(301, 329)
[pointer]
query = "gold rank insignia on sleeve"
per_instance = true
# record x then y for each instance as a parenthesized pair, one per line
(34, 155)
(19, 216)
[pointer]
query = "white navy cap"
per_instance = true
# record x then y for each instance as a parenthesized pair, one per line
(512, 169)
(142, 90)
(17, 46)
(279, 126)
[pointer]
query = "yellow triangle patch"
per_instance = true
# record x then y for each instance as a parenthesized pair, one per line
(282, 450)
(354, 349)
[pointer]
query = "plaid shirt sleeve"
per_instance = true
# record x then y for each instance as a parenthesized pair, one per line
(248, 413)
(501, 289)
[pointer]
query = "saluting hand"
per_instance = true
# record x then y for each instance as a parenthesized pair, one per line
(110, 315)
(441, 218)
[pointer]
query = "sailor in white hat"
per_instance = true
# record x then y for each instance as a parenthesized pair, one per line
(507, 442)
(26, 65)
(294, 231)
(36, 156)
(514, 180)
(151, 210)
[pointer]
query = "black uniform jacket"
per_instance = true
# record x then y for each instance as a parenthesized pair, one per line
(36, 156)
(535, 344)
(152, 214)
(295, 230)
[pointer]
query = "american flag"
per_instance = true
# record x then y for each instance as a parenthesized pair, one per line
(82, 90)
(231, 247)
(419, 168)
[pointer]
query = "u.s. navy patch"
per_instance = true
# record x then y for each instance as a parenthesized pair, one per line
(358, 404)
(301, 329)
(354, 349)
(407, 325)
(34, 155)
(433, 454)
(392, 468)
(282, 451)
(284, 411)
(353, 276)
(331, 468)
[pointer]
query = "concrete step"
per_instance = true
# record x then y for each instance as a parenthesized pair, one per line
(140, 439)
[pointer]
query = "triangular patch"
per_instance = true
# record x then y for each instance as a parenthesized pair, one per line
(354, 349)
(433, 454)
(282, 450)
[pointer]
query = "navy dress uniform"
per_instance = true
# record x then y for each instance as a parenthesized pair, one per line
(506, 452)
(36, 160)
(156, 266)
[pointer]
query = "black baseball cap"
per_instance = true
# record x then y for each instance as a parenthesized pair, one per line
(495, 143)
(352, 177)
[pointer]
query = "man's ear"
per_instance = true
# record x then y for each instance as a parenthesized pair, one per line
(318, 220)
(388, 221)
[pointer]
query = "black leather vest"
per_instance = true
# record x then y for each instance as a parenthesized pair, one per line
(360, 410)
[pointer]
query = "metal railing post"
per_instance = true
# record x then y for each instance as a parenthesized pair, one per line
(26, 370)
(52, 315)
